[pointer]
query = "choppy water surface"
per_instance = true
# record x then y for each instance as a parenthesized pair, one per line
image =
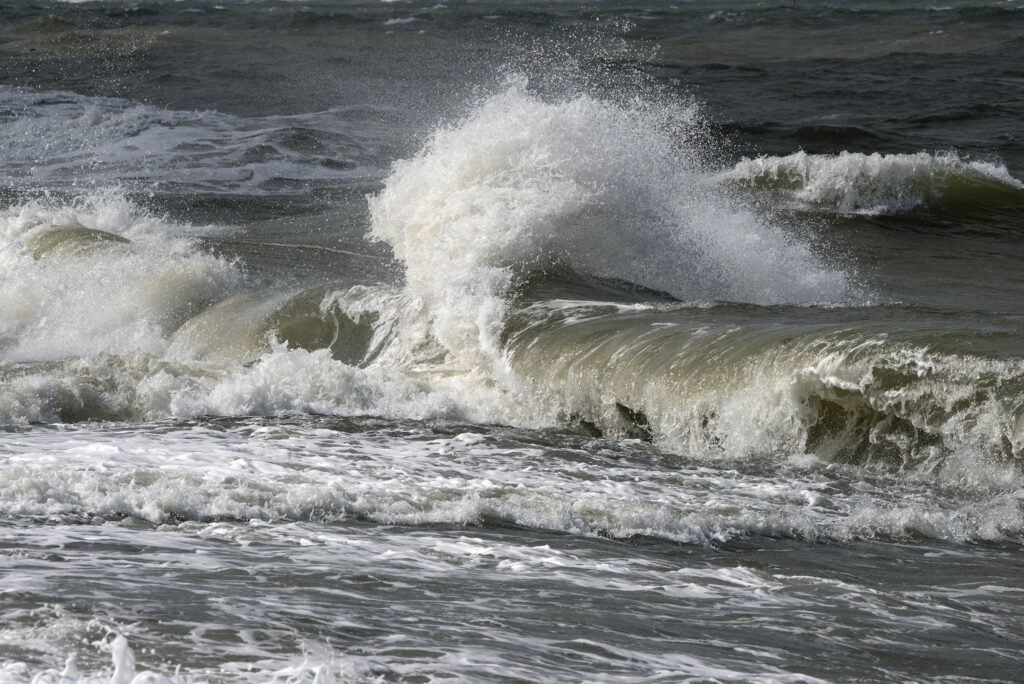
(399, 341)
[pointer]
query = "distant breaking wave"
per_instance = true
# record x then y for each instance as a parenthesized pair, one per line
(854, 183)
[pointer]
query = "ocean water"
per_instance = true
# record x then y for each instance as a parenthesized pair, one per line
(348, 341)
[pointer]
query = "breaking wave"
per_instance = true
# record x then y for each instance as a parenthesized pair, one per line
(98, 275)
(603, 189)
(567, 263)
(855, 183)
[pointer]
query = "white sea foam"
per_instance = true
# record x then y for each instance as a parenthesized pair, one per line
(305, 473)
(142, 386)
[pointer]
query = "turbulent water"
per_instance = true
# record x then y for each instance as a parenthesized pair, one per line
(511, 341)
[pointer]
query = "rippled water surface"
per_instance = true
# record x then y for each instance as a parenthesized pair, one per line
(529, 341)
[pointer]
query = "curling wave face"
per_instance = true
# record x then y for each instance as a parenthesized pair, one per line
(786, 381)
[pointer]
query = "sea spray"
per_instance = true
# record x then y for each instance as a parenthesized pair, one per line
(522, 183)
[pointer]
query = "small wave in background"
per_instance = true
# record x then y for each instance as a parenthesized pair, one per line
(876, 183)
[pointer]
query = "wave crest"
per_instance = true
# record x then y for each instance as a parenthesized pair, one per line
(855, 183)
